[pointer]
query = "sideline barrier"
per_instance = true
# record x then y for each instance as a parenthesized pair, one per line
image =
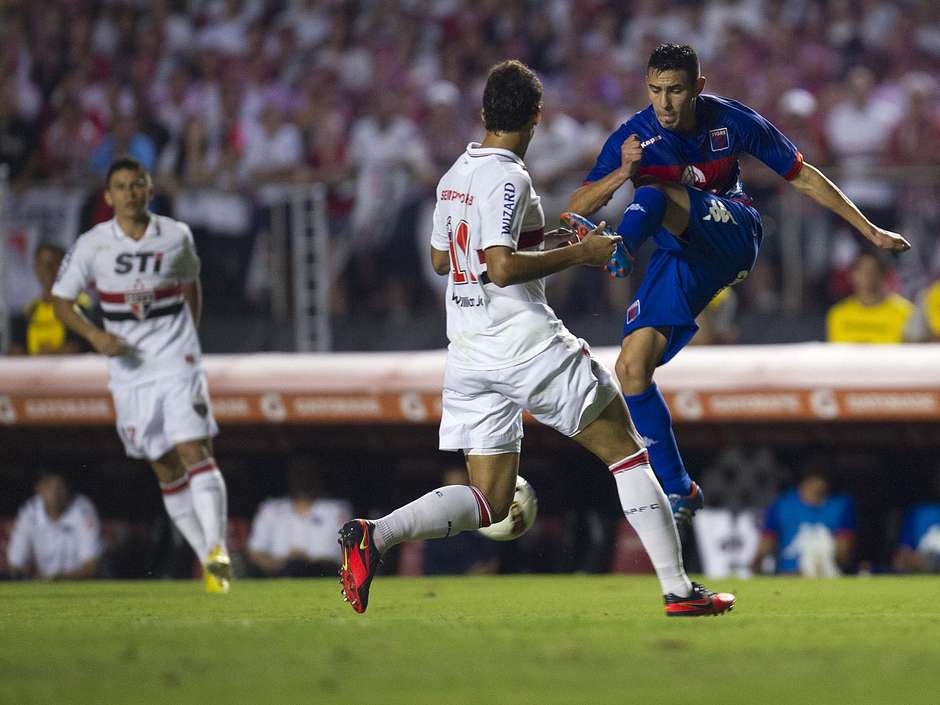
(741, 384)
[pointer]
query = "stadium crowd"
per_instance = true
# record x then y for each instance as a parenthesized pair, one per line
(229, 102)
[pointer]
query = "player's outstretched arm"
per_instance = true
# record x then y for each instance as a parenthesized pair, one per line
(596, 194)
(72, 317)
(506, 266)
(813, 183)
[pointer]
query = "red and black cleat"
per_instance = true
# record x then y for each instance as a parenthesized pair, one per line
(360, 559)
(701, 603)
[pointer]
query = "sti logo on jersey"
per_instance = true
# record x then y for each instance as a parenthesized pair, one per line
(124, 262)
(719, 139)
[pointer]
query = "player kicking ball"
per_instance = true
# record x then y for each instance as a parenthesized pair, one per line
(509, 352)
(147, 275)
(681, 153)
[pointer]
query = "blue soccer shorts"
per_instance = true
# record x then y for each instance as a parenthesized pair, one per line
(717, 249)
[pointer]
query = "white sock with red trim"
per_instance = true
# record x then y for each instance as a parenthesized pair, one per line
(178, 500)
(210, 501)
(647, 509)
(440, 513)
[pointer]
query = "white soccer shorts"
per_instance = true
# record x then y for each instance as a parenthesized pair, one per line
(563, 387)
(154, 416)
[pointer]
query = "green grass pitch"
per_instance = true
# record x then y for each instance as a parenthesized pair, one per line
(446, 641)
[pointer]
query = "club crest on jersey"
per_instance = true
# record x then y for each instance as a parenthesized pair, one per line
(693, 176)
(139, 302)
(633, 311)
(719, 139)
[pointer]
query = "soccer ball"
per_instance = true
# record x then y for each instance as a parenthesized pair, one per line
(522, 511)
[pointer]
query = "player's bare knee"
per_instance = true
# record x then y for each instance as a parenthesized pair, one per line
(633, 374)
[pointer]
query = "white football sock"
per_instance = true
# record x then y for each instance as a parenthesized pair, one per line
(647, 509)
(178, 500)
(440, 513)
(210, 501)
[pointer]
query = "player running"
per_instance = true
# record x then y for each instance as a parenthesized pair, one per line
(508, 352)
(146, 271)
(682, 155)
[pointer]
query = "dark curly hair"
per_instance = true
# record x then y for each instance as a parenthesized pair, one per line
(512, 96)
(675, 57)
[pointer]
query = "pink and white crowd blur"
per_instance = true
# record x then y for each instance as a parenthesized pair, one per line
(376, 99)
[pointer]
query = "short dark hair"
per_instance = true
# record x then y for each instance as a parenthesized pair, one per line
(123, 164)
(512, 97)
(675, 57)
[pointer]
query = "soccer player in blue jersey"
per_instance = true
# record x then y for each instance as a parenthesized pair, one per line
(809, 531)
(919, 544)
(681, 153)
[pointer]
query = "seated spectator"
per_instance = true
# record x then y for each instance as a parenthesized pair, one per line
(57, 534)
(919, 545)
(295, 536)
(468, 553)
(808, 530)
(38, 331)
(871, 314)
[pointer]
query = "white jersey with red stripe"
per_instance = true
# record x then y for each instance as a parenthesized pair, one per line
(486, 199)
(139, 284)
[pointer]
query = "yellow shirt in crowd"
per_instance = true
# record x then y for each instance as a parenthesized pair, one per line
(931, 308)
(44, 332)
(851, 322)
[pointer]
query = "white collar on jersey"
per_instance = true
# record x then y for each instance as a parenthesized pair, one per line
(153, 228)
(475, 150)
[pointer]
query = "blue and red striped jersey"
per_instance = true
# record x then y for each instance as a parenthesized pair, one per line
(708, 159)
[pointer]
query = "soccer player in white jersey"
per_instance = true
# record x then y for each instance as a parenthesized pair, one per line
(146, 271)
(508, 352)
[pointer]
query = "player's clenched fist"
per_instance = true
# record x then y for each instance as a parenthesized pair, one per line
(630, 155)
(108, 343)
(887, 240)
(598, 246)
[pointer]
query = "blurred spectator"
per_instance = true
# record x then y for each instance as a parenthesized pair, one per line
(295, 536)
(916, 139)
(857, 130)
(388, 153)
(919, 544)
(468, 553)
(807, 530)
(18, 138)
(273, 148)
(925, 323)
(872, 314)
(38, 331)
(57, 533)
(124, 140)
(68, 145)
